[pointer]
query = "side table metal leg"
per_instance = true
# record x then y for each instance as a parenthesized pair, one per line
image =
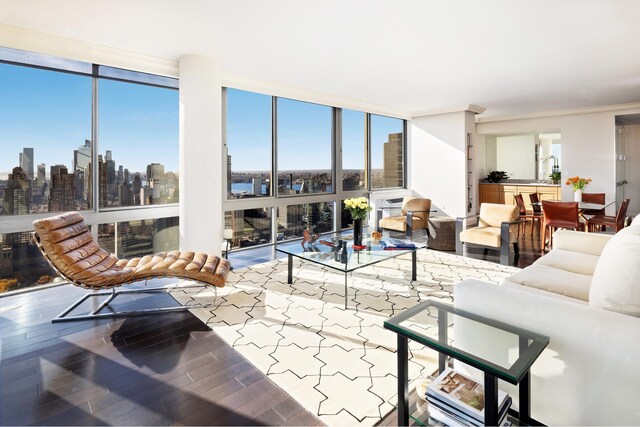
(403, 381)
(524, 391)
(414, 263)
(442, 338)
(490, 400)
(290, 270)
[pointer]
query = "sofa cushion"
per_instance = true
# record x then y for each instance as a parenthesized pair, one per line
(554, 280)
(616, 280)
(575, 262)
(579, 241)
(636, 220)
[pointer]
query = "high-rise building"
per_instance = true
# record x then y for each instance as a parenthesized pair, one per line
(42, 172)
(102, 181)
(26, 162)
(81, 161)
(120, 176)
(156, 180)
(393, 161)
(62, 192)
(55, 170)
(135, 189)
(17, 194)
(111, 174)
(125, 196)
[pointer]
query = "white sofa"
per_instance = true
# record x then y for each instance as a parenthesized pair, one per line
(585, 296)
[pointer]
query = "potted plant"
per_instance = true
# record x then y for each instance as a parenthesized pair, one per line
(555, 177)
(497, 176)
(359, 208)
(578, 185)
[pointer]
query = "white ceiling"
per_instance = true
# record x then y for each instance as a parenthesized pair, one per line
(512, 57)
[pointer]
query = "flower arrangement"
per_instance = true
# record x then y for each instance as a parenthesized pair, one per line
(358, 207)
(578, 183)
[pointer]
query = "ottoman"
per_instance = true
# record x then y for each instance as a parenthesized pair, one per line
(442, 233)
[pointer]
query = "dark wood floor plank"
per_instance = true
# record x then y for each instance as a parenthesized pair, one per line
(152, 370)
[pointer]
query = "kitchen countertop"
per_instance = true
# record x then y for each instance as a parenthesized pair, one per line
(521, 182)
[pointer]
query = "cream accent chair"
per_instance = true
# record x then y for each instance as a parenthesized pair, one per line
(415, 214)
(497, 228)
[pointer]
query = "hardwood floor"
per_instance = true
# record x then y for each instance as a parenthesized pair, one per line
(151, 370)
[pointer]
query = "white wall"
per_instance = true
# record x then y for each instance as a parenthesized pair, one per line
(588, 145)
(515, 154)
(439, 161)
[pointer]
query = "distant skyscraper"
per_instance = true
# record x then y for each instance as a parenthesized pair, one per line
(62, 192)
(120, 176)
(111, 174)
(125, 196)
(102, 181)
(81, 161)
(393, 161)
(17, 194)
(42, 171)
(156, 180)
(26, 162)
(135, 189)
(55, 170)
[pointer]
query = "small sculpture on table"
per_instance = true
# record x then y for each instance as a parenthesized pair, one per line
(309, 240)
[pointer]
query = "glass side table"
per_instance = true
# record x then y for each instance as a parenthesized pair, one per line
(507, 355)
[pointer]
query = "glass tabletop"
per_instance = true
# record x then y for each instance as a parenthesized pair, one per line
(491, 346)
(324, 249)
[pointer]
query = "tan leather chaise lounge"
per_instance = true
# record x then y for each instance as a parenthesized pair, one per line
(67, 244)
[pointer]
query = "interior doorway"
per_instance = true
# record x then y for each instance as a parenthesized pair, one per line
(628, 161)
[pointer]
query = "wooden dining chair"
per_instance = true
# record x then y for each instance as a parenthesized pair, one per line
(559, 215)
(535, 203)
(527, 216)
(598, 198)
(616, 222)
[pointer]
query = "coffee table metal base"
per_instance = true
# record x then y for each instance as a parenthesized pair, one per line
(414, 274)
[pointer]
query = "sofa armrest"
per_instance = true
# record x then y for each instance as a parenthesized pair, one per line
(588, 352)
(579, 241)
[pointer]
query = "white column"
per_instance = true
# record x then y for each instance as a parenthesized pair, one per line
(201, 214)
(439, 161)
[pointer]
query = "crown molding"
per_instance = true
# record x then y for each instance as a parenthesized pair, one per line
(565, 112)
(48, 44)
(446, 110)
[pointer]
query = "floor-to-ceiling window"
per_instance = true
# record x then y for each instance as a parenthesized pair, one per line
(83, 137)
(319, 155)
(387, 152)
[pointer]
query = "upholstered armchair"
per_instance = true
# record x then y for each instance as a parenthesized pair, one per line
(414, 215)
(497, 228)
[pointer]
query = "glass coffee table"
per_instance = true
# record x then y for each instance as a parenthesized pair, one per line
(499, 350)
(324, 255)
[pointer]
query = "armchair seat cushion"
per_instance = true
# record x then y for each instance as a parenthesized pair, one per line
(399, 223)
(485, 236)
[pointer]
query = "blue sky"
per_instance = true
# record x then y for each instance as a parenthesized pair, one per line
(51, 112)
(304, 134)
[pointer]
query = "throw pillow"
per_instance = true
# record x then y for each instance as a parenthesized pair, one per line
(616, 279)
(636, 220)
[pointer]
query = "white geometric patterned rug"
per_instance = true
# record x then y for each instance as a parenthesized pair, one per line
(339, 364)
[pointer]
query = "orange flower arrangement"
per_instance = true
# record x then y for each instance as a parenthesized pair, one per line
(578, 183)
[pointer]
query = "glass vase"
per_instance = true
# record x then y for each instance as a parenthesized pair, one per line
(357, 232)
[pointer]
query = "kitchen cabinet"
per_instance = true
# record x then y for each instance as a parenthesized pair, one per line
(504, 193)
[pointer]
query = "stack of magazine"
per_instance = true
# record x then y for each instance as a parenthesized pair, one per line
(397, 244)
(455, 399)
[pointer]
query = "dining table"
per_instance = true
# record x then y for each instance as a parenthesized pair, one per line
(582, 206)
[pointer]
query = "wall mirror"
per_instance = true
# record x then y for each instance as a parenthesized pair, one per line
(534, 155)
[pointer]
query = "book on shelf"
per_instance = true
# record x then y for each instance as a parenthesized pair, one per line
(450, 420)
(397, 244)
(456, 393)
(444, 409)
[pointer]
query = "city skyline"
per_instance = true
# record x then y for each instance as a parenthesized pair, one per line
(51, 112)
